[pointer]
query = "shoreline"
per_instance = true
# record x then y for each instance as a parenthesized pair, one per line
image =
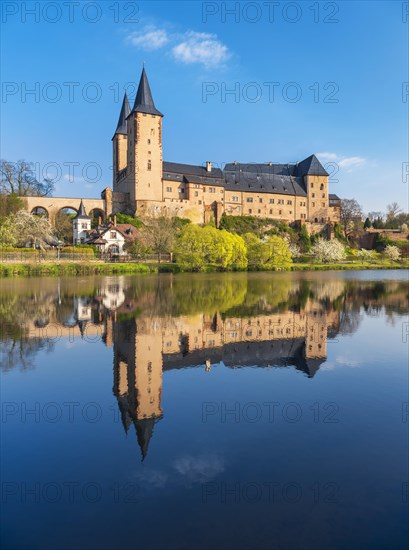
(13, 270)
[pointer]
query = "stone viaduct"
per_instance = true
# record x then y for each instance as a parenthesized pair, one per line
(52, 205)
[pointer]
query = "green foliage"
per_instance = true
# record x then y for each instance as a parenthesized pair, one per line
(80, 249)
(339, 234)
(244, 224)
(272, 253)
(9, 204)
(381, 242)
(132, 220)
(305, 240)
(367, 223)
(200, 246)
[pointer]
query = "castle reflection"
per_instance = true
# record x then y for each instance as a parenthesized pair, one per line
(155, 324)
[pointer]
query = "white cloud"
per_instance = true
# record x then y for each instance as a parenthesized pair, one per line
(347, 163)
(189, 47)
(151, 38)
(200, 47)
(199, 469)
(351, 162)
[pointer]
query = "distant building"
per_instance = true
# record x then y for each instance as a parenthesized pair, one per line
(109, 238)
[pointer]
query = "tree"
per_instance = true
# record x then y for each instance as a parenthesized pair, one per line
(392, 252)
(270, 254)
(63, 227)
(305, 239)
(191, 248)
(33, 229)
(367, 223)
(366, 255)
(7, 232)
(159, 234)
(17, 178)
(350, 215)
(376, 219)
(9, 204)
(328, 251)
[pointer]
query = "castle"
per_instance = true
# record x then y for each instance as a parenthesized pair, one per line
(144, 184)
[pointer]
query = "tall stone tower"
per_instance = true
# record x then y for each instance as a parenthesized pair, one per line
(120, 146)
(144, 158)
(316, 184)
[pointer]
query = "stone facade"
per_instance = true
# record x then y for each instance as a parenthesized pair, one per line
(292, 193)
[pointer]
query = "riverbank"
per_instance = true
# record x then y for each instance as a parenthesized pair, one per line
(104, 268)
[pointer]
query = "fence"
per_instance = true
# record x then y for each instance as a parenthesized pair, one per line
(52, 255)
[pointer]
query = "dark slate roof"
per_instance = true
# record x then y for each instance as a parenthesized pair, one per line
(283, 179)
(122, 124)
(81, 213)
(190, 170)
(333, 197)
(311, 166)
(264, 183)
(144, 100)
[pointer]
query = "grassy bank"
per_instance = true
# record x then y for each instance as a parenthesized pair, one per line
(103, 268)
(72, 268)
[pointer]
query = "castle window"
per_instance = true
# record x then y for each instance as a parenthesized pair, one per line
(271, 201)
(181, 190)
(196, 193)
(259, 211)
(168, 189)
(280, 212)
(149, 141)
(149, 165)
(322, 186)
(235, 199)
(316, 220)
(323, 204)
(289, 202)
(271, 212)
(250, 211)
(312, 185)
(260, 200)
(212, 190)
(249, 199)
(313, 204)
(149, 152)
(197, 186)
(323, 195)
(313, 195)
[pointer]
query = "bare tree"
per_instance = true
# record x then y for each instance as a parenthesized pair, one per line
(350, 216)
(392, 210)
(17, 178)
(159, 233)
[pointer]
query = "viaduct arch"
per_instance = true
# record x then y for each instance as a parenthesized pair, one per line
(54, 204)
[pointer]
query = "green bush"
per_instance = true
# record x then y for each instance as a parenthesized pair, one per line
(81, 249)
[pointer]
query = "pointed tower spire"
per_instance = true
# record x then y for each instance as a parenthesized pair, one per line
(81, 212)
(144, 100)
(122, 124)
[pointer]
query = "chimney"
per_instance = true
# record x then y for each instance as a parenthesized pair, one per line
(208, 166)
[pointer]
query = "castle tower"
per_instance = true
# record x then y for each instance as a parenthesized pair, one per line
(80, 225)
(316, 183)
(144, 127)
(120, 145)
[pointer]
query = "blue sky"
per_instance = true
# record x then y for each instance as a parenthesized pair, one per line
(308, 77)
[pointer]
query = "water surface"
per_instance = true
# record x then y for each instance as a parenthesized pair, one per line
(205, 411)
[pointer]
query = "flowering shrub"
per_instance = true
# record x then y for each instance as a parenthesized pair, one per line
(392, 252)
(366, 255)
(328, 251)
